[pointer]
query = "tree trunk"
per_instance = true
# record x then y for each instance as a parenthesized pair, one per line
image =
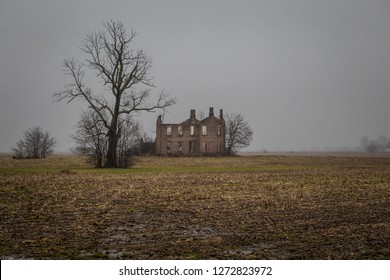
(229, 151)
(99, 163)
(113, 137)
(111, 158)
(121, 69)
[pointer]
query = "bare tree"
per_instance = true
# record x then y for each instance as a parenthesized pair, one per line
(121, 70)
(18, 149)
(238, 133)
(129, 141)
(35, 144)
(381, 144)
(91, 137)
(382, 141)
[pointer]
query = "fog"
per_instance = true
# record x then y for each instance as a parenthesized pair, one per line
(305, 74)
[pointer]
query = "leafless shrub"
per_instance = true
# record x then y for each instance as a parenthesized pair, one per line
(92, 141)
(238, 133)
(35, 144)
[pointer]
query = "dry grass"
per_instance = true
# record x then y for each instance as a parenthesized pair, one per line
(261, 207)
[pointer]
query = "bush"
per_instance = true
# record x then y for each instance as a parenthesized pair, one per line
(35, 144)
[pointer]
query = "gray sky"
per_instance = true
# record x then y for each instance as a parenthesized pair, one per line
(305, 73)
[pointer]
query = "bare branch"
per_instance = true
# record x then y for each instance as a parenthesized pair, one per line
(238, 133)
(140, 102)
(122, 70)
(35, 144)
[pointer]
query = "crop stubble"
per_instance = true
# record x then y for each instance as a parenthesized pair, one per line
(264, 207)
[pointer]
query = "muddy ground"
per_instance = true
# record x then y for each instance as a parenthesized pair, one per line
(260, 207)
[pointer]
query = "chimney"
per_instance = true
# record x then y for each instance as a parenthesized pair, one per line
(221, 114)
(211, 113)
(192, 116)
(159, 119)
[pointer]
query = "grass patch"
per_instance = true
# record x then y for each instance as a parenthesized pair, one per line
(66, 165)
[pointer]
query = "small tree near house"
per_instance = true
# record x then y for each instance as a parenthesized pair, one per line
(238, 133)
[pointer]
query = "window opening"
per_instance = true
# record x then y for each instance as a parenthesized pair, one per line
(192, 148)
(204, 129)
(219, 130)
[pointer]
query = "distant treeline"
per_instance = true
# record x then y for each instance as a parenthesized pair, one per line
(381, 144)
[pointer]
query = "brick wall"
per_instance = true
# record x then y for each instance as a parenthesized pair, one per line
(192, 136)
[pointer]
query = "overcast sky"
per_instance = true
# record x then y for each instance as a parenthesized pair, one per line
(305, 74)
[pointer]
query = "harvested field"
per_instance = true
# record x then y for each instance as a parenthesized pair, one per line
(250, 207)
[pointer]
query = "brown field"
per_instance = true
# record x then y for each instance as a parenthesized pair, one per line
(250, 207)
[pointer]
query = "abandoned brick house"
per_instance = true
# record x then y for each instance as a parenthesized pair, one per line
(192, 137)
